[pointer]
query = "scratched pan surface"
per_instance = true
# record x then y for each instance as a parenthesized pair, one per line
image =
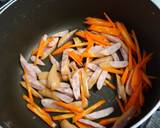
(26, 21)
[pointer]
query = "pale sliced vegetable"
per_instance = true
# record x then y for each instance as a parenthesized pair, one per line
(124, 119)
(110, 49)
(100, 114)
(34, 92)
(73, 66)
(103, 59)
(118, 64)
(35, 68)
(48, 93)
(121, 89)
(91, 123)
(26, 65)
(67, 124)
(63, 97)
(94, 77)
(102, 78)
(115, 57)
(60, 34)
(75, 83)
(67, 91)
(77, 41)
(95, 51)
(66, 38)
(85, 83)
(44, 82)
(49, 103)
(92, 66)
(124, 54)
(65, 66)
(35, 83)
(39, 61)
(42, 75)
(53, 78)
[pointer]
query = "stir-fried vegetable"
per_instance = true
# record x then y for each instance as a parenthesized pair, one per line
(87, 58)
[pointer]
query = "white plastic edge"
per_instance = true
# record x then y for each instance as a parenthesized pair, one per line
(157, 3)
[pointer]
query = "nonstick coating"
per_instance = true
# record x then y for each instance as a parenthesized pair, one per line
(27, 20)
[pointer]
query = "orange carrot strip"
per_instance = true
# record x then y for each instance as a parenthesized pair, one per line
(136, 78)
(126, 36)
(139, 55)
(28, 85)
(62, 117)
(120, 104)
(80, 125)
(77, 58)
(81, 34)
(88, 110)
(62, 48)
(141, 98)
(90, 41)
(134, 97)
(109, 19)
(36, 106)
(109, 84)
(43, 117)
(97, 21)
(34, 51)
(130, 60)
(145, 60)
(70, 107)
(146, 79)
(55, 110)
(125, 75)
(108, 121)
(106, 30)
(113, 70)
(100, 40)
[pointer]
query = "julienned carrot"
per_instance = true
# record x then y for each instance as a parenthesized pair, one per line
(146, 79)
(126, 36)
(108, 121)
(62, 117)
(36, 106)
(136, 78)
(97, 21)
(77, 58)
(130, 59)
(43, 43)
(70, 107)
(139, 55)
(62, 48)
(88, 110)
(145, 59)
(125, 76)
(134, 97)
(109, 19)
(113, 70)
(106, 30)
(34, 51)
(100, 40)
(109, 84)
(55, 110)
(120, 104)
(28, 85)
(80, 125)
(81, 34)
(90, 41)
(141, 98)
(43, 117)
